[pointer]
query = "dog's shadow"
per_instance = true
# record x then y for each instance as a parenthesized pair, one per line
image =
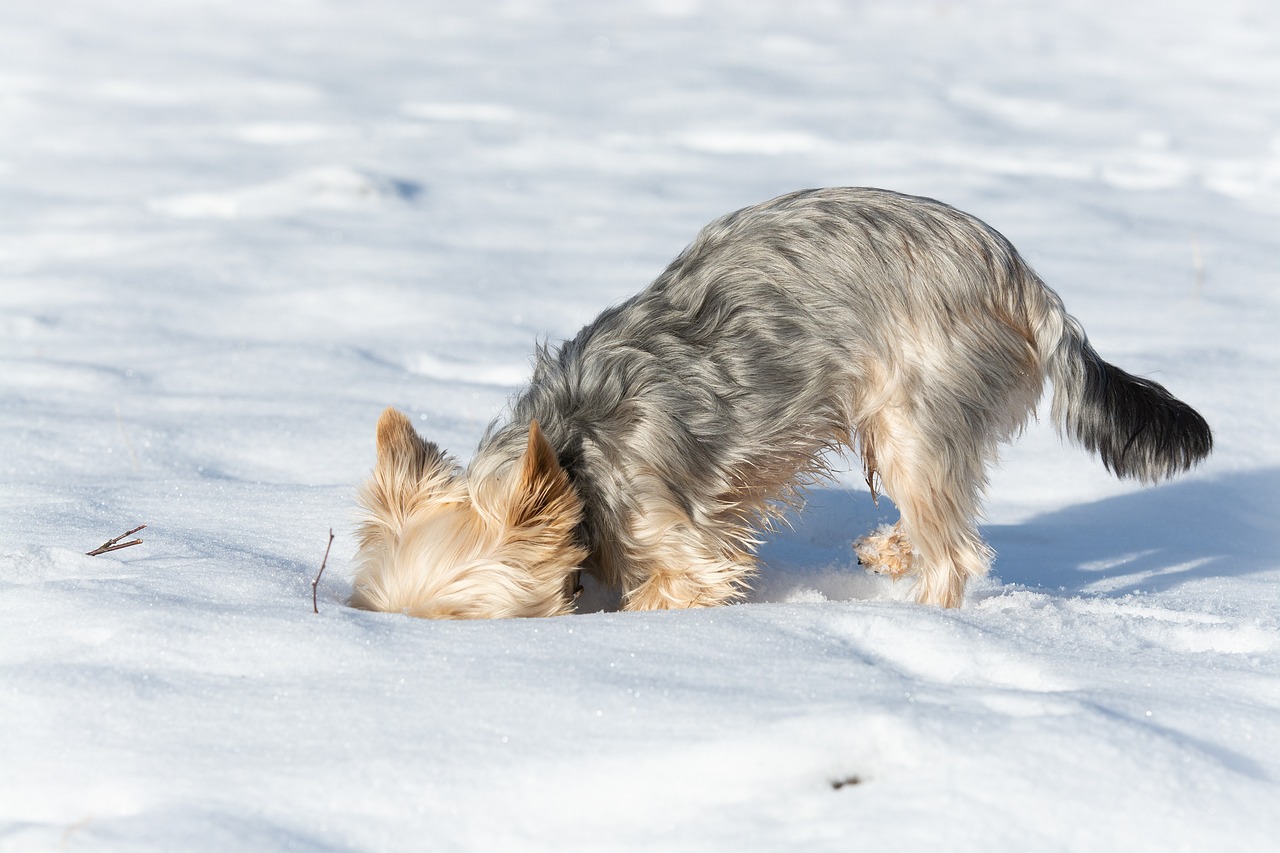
(1148, 540)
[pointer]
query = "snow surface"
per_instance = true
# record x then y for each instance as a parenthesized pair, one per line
(231, 232)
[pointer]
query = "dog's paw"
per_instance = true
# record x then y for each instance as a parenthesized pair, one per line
(886, 551)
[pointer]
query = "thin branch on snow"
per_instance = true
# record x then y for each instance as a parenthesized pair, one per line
(316, 583)
(116, 544)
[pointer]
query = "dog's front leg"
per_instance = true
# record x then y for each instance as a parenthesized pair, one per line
(665, 562)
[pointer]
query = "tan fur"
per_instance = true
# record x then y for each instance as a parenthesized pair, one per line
(507, 543)
(886, 551)
(669, 565)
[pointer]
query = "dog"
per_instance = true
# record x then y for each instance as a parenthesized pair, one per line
(655, 449)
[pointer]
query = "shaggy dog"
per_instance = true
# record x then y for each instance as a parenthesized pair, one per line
(653, 448)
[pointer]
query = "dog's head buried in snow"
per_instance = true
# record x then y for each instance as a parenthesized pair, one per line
(652, 449)
(447, 544)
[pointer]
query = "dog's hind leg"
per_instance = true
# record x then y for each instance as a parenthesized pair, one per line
(936, 482)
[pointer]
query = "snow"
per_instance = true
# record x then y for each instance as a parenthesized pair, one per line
(232, 232)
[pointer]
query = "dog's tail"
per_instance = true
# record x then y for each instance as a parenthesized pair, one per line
(1138, 428)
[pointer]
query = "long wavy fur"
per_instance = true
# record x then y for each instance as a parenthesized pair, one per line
(655, 448)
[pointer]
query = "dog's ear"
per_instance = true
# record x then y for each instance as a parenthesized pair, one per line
(409, 473)
(543, 494)
(401, 450)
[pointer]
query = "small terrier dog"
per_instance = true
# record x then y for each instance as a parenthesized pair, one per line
(654, 448)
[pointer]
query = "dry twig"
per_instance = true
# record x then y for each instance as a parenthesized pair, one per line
(316, 583)
(116, 544)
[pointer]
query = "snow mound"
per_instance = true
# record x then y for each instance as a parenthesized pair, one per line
(479, 113)
(323, 188)
(473, 373)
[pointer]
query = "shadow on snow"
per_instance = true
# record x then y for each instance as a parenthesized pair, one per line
(1150, 540)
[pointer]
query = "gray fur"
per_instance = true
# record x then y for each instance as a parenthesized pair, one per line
(853, 318)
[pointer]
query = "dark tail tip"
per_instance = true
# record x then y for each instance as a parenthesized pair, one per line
(1139, 429)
